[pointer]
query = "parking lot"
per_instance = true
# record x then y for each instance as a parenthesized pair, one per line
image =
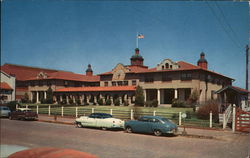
(106, 144)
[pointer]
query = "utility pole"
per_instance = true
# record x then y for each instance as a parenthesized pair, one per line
(247, 48)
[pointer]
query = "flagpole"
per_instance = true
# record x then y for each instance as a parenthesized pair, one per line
(137, 44)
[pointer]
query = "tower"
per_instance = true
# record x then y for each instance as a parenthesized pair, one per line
(137, 59)
(89, 71)
(202, 62)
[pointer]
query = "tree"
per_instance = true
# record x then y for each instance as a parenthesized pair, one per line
(139, 96)
(25, 99)
(49, 99)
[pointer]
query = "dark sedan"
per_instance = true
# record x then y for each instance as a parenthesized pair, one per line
(23, 114)
(151, 124)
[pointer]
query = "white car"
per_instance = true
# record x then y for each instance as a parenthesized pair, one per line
(99, 120)
(4, 111)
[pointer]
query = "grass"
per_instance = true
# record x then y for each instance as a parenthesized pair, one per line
(124, 112)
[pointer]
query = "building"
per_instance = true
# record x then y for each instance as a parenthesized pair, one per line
(8, 87)
(36, 81)
(167, 81)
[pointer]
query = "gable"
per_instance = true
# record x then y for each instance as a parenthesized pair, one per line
(167, 64)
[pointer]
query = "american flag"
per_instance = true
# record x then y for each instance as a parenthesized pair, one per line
(140, 36)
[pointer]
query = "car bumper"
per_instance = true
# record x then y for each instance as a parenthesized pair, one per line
(173, 131)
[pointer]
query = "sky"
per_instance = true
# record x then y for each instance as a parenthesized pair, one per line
(70, 34)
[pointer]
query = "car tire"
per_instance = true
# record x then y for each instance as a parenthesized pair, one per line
(78, 125)
(128, 129)
(157, 132)
(104, 128)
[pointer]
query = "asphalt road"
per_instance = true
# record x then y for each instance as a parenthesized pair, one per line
(117, 144)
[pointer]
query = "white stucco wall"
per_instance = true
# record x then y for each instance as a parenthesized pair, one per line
(11, 82)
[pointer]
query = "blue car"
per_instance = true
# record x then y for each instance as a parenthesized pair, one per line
(151, 124)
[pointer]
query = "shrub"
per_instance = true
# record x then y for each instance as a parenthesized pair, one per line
(25, 99)
(70, 101)
(117, 102)
(125, 103)
(12, 105)
(139, 96)
(153, 103)
(100, 101)
(204, 110)
(108, 102)
(78, 102)
(49, 99)
(177, 103)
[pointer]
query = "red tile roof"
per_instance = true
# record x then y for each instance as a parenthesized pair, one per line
(241, 89)
(5, 86)
(24, 73)
(69, 76)
(183, 66)
(97, 89)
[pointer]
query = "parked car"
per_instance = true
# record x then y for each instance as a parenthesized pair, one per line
(151, 124)
(23, 114)
(100, 120)
(4, 111)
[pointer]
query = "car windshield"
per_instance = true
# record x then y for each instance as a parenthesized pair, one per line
(165, 120)
(106, 116)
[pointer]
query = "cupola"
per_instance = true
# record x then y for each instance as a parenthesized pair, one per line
(89, 71)
(202, 62)
(137, 59)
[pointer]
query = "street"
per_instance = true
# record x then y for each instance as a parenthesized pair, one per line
(116, 144)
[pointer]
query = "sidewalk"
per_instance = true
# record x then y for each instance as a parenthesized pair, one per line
(191, 132)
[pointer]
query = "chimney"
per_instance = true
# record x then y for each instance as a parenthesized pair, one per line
(89, 71)
(202, 62)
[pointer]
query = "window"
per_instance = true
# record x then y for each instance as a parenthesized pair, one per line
(113, 83)
(186, 76)
(48, 83)
(32, 83)
(40, 83)
(149, 79)
(167, 65)
(66, 83)
(119, 83)
(125, 83)
(106, 84)
(166, 77)
(134, 82)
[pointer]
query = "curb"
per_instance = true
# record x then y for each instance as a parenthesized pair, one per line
(59, 122)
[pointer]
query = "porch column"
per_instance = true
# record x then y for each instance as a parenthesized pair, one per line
(31, 96)
(159, 96)
(111, 100)
(54, 99)
(95, 101)
(176, 93)
(133, 98)
(61, 99)
(45, 95)
(83, 97)
(125, 97)
(120, 100)
(67, 99)
(37, 97)
(129, 101)
(74, 98)
(145, 95)
(80, 99)
(87, 99)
